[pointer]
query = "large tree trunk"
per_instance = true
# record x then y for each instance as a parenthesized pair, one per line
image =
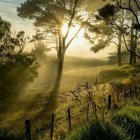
(132, 46)
(119, 49)
(59, 72)
(135, 46)
(53, 95)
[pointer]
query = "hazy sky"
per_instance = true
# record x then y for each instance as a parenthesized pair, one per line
(79, 48)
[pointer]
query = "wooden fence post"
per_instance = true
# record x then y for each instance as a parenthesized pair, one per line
(118, 96)
(69, 119)
(130, 92)
(136, 91)
(52, 127)
(125, 95)
(109, 102)
(113, 98)
(87, 113)
(28, 130)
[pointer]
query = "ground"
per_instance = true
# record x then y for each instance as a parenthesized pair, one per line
(31, 103)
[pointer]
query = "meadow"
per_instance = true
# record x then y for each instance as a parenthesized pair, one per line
(31, 104)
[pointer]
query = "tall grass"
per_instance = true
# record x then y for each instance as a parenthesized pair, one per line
(128, 118)
(98, 131)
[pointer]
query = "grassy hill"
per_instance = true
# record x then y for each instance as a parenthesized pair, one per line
(31, 103)
(79, 62)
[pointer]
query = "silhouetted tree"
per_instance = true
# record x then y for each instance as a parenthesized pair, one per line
(40, 50)
(133, 6)
(52, 15)
(133, 43)
(113, 57)
(17, 67)
(102, 35)
(114, 19)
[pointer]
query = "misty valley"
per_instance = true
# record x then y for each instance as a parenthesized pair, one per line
(69, 70)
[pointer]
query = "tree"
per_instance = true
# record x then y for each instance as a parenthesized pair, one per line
(13, 60)
(51, 15)
(114, 19)
(40, 50)
(133, 43)
(103, 35)
(112, 58)
(133, 6)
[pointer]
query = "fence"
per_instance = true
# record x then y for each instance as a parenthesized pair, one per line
(123, 95)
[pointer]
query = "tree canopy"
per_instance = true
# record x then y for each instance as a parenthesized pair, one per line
(50, 16)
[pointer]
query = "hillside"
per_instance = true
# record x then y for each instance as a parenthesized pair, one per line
(31, 103)
(79, 62)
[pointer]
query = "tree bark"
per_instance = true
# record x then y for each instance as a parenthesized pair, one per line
(54, 92)
(119, 49)
(135, 46)
(59, 72)
(132, 47)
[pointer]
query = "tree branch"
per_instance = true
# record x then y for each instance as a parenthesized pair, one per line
(137, 4)
(125, 40)
(114, 43)
(74, 37)
(82, 24)
(71, 19)
(119, 3)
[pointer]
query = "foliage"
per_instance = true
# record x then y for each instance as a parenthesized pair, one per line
(112, 58)
(51, 15)
(132, 7)
(101, 45)
(17, 68)
(104, 31)
(107, 11)
(40, 50)
(114, 17)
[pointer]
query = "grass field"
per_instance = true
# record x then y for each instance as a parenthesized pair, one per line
(31, 103)
(123, 124)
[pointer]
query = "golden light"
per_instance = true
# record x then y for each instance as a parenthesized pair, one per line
(64, 29)
(72, 32)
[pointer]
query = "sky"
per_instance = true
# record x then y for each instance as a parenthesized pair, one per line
(80, 47)
(8, 12)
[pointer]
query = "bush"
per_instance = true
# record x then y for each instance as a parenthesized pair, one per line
(17, 67)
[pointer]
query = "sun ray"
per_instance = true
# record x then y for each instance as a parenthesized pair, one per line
(72, 32)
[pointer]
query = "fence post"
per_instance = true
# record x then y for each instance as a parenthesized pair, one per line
(118, 96)
(52, 127)
(69, 119)
(136, 91)
(130, 92)
(28, 130)
(125, 95)
(109, 102)
(87, 114)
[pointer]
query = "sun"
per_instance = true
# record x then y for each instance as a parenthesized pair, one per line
(72, 32)
(64, 29)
